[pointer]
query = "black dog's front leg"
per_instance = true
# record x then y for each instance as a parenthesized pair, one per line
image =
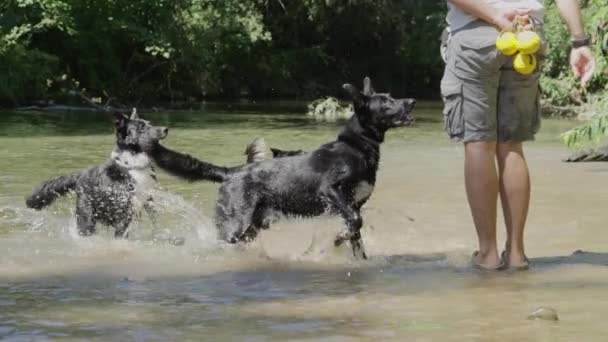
(353, 220)
(85, 217)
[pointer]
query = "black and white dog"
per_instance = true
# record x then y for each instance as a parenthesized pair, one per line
(115, 191)
(338, 177)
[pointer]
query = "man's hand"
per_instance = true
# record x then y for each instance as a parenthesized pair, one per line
(583, 64)
(504, 17)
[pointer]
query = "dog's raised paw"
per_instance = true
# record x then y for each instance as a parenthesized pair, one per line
(345, 235)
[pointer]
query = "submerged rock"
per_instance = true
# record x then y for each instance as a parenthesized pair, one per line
(545, 314)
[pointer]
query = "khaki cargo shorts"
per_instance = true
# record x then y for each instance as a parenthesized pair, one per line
(484, 98)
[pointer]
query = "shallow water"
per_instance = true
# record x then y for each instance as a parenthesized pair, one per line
(292, 283)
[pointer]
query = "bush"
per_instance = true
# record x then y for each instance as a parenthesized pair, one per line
(25, 74)
(560, 88)
(329, 109)
(594, 130)
(159, 50)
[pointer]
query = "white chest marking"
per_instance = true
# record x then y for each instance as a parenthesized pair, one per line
(130, 160)
(140, 169)
(144, 183)
(362, 191)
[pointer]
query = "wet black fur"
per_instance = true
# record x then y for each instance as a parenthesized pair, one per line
(105, 192)
(298, 183)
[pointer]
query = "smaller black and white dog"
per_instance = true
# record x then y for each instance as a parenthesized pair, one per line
(115, 191)
(338, 177)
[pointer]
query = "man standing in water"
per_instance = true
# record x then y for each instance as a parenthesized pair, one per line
(493, 110)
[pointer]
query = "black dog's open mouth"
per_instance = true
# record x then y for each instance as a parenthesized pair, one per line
(405, 119)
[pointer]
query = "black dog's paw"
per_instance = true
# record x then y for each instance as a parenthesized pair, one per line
(358, 250)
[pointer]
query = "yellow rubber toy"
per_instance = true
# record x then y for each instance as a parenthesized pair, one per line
(524, 64)
(528, 42)
(506, 43)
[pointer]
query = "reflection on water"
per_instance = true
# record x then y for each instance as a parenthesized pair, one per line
(292, 283)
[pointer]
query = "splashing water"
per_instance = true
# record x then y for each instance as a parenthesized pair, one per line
(291, 283)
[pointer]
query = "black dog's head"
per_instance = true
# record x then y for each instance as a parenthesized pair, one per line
(137, 134)
(379, 111)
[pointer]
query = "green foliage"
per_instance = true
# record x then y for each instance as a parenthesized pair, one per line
(23, 70)
(186, 49)
(329, 109)
(593, 130)
(560, 87)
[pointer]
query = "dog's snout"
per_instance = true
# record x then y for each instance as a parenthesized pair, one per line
(165, 130)
(408, 104)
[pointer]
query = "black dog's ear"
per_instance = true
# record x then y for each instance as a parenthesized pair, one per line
(368, 90)
(355, 94)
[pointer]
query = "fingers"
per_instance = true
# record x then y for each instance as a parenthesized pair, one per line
(504, 24)
(588, 72)
(583, 64)
(574, 60)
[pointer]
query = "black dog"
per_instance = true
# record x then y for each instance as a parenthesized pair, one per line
(338, 177)
(113, 192)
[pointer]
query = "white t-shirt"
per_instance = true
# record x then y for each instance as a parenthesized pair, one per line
(457, 18)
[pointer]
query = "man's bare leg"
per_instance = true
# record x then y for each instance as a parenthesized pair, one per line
(481, 182)
(515, 198)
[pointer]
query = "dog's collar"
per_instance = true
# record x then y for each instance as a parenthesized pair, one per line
(373, 141)
(354, 127)
(348, 136)
(130, 160)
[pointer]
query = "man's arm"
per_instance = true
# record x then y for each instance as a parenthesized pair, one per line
(503, 19)
(581, 58)
(571, 12)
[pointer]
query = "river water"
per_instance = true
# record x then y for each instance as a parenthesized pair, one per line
(292, 284)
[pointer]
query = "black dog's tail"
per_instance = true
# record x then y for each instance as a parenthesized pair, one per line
(50, 190)
(276, 153)
(185, 166)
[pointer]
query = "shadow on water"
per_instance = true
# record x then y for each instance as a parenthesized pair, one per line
(439, 261)
(226, 304)
(300, 279)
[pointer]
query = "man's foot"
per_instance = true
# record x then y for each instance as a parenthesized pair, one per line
(515, 263)
(490, 262)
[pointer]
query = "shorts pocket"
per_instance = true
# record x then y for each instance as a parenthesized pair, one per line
(477, 53)
(453, 118)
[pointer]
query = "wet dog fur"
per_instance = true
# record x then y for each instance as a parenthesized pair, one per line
(336, 178)
(115, 191)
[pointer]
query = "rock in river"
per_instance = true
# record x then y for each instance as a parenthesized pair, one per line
(544, 313)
